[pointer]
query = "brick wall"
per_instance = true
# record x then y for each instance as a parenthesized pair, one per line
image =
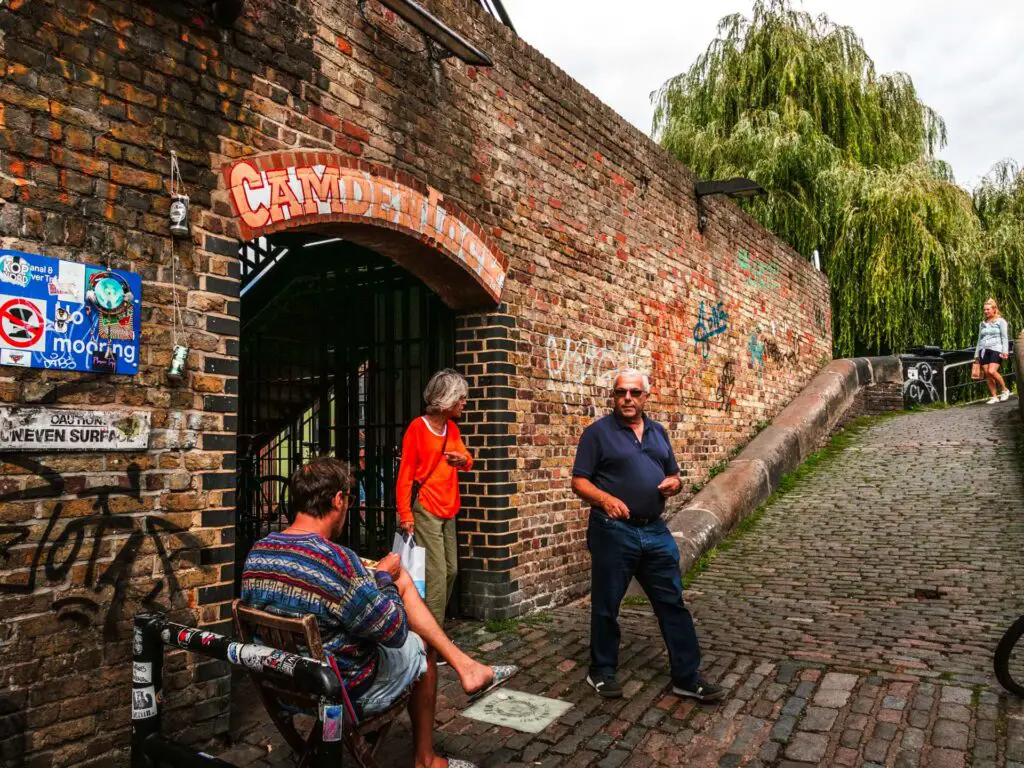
(606, 268)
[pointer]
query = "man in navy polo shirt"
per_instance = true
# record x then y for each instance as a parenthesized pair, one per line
(625, 469)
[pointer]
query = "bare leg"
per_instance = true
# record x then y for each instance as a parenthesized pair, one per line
(998, 378)
(422, 704)
(472, 674)
(990, 382)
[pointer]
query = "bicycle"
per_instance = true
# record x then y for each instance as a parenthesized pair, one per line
(1009, 659)
(263, 501)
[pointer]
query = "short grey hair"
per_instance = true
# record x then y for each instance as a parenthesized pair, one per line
(444, 390)
(632, 372)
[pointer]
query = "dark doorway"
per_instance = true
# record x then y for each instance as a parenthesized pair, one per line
(337, 343)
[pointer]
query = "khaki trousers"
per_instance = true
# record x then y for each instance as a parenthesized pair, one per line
(437, 536)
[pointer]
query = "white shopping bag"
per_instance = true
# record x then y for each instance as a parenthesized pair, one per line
(414, 559)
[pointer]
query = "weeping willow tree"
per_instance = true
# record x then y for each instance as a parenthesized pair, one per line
(999, 201)
(847, 156)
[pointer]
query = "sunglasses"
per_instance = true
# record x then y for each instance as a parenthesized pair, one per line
(621, 392)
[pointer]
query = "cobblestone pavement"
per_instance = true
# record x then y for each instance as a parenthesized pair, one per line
(853, 626)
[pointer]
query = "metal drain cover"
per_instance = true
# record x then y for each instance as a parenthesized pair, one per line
(521, 711)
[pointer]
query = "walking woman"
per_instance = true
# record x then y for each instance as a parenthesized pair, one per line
(993, 347)
(428, 483)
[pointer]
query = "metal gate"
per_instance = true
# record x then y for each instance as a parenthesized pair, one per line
(337, 343)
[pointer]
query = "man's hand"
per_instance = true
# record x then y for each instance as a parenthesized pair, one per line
(670, 486)
(390, 564)
(408, 527)
(456, 459)
(614, 508)
(1003, 355)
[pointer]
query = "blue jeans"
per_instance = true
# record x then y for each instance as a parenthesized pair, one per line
(618, 552)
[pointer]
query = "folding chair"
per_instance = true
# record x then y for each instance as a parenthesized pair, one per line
(363, 737)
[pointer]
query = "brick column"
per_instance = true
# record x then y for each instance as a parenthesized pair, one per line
(483, 348)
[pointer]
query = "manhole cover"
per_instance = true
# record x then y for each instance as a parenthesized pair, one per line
(522, 711)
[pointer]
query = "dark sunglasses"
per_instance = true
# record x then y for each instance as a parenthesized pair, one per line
(621, 392)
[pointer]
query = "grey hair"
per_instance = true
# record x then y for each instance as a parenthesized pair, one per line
(632, 372)
(444, 390)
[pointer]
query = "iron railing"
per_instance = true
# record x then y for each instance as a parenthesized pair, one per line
(933, 375)
(337, 344)
(153, 632)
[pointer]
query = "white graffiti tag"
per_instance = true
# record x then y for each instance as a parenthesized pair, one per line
(587, 362)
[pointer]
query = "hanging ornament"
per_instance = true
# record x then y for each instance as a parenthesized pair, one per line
(179, 201)
(176, 370)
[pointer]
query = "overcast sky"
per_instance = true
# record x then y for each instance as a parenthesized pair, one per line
(966, 57)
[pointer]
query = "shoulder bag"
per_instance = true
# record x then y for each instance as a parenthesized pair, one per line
(417, 484)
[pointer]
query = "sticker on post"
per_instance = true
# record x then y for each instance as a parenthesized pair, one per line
(144, 703)
(142, 672)
(331, 718)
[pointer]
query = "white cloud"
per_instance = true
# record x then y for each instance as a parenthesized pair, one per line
(965, 58)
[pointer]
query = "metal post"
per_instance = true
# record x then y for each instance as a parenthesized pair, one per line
(147, 667)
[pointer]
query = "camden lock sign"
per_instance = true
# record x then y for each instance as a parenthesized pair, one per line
(61, 429)
(270, 192)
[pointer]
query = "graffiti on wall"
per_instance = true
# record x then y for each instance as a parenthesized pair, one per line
(708, 326)
(592, 362)
(759, 272)
(763, 347)
(723, 395)
(819, 320)
(101, 588)
(919, 384)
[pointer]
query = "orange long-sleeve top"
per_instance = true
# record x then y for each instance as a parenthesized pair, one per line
(421, 450)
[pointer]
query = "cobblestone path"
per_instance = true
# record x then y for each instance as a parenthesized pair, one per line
(853, 626)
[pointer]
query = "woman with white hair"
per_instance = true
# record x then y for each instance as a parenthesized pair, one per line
(428, 483)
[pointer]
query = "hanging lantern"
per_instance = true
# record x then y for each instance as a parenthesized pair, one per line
(179, 216)
(179, 358)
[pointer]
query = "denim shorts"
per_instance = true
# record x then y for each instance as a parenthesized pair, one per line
(397, 670)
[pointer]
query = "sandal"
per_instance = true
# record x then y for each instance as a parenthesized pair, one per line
(502, 674)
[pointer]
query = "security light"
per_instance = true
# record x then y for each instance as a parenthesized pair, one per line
(737, 187)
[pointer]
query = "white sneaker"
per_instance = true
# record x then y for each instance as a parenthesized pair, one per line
(992, 401)
(1004, 395)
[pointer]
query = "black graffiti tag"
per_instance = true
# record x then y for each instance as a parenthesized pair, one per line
(60, 554)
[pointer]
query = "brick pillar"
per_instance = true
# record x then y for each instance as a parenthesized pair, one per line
(483, 349)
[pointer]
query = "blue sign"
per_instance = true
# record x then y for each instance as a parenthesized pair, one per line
(67, 316)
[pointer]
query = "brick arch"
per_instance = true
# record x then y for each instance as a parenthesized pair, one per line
(378, 207)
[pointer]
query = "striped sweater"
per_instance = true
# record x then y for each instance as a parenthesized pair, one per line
(297, 574)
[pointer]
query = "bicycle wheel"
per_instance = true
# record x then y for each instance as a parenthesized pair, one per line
(1009, 661)
(275, 502)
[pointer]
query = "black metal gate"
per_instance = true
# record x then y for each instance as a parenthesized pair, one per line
(337, 343)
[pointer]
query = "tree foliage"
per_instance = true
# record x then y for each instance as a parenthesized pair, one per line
(999, 201)
(848, 158)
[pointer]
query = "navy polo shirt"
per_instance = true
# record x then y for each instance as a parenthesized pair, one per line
(610, 456)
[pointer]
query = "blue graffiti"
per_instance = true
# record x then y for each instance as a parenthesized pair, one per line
(707, 328)
(756, 347)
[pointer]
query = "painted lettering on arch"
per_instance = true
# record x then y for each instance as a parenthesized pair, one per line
(283, 189)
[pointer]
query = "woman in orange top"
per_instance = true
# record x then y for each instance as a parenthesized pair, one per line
(432, 455)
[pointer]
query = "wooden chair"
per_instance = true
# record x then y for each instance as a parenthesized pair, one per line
(302, 636)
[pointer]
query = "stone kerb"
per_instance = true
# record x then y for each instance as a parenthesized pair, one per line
(1018, 351)
(801, 427)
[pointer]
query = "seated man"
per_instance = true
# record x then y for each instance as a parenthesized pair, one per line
(375, 624)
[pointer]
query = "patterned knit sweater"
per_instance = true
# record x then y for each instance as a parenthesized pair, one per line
(297, 574)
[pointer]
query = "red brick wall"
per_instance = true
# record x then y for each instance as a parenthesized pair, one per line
(605, 268)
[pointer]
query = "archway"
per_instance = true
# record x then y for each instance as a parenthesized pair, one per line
(351, 279)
